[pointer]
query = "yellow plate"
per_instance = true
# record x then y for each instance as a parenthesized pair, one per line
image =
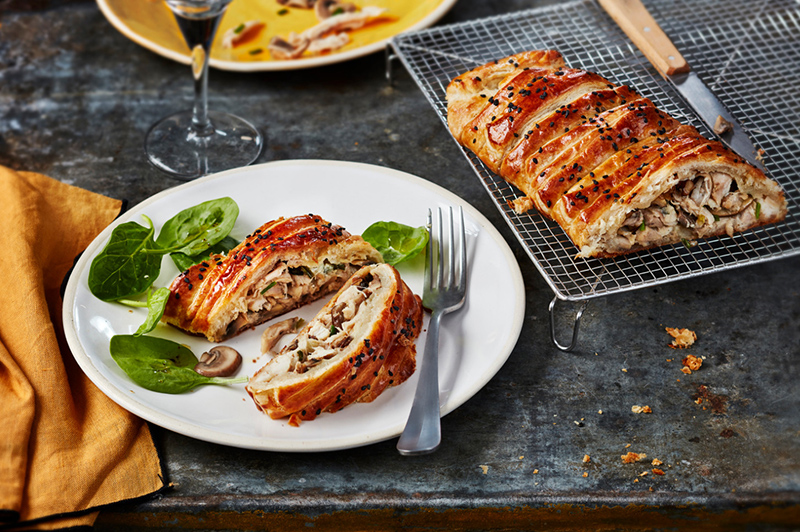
(151, 24)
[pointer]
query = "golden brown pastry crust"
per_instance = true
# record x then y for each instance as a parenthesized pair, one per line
(593, 156)
(380, 352)
(220, 297)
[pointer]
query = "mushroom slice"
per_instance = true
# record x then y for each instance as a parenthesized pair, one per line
(274, 332)
(302, 4)
(219, 361)
(328, 8)
(288, 49)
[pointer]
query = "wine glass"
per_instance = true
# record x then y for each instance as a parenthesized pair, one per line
(197, 142)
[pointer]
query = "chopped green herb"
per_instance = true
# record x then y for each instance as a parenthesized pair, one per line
(716, 218)
(283, 11)
(256, 51)
(334, 330)
(643, 226)
(758, 210)
(239, 29)
(270, 285)
(338, 11)
(687, 243)
(302, 270)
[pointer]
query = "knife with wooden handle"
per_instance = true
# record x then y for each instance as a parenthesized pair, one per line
(637, 23)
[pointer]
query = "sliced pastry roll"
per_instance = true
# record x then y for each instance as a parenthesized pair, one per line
(284, 264)
(617, 174)
(360, 343)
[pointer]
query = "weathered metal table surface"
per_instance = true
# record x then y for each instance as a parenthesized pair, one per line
(76, 98)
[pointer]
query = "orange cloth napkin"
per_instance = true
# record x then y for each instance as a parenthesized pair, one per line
(65, 448)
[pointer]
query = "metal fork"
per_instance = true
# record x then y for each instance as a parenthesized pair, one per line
(445, 285)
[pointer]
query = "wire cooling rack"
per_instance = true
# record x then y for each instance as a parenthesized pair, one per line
(747, 51)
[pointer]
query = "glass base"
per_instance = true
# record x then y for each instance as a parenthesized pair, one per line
(174, 146)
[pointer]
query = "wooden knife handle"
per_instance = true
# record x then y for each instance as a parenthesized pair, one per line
(647, 35)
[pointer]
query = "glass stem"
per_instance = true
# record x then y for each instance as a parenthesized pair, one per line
(198, 31)
(200, 121)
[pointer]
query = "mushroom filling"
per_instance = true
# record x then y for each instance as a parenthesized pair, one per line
(333, 330)
(286, 285)
(698, 206)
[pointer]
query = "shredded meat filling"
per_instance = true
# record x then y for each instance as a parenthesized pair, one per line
(333, 331)
(696, 204)
(286, 284)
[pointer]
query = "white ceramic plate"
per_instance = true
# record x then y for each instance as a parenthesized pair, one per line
(150, 24)
(474, 342)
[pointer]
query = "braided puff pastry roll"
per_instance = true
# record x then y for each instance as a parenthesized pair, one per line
(361, 342)
(615, 172)
(283, 265)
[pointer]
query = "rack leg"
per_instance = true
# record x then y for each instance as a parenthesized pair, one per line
(390, 57)
(575, 326)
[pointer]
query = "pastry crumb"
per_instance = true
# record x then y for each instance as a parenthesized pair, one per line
(683, 338)
(630, 457)
(485, 469)
(657, 471)
(636, 409)
(585, 474)
(692, 362)
(586, 459)
(535, 471)
(656, 462)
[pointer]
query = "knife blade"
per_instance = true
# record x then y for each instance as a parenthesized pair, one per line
(638, 24)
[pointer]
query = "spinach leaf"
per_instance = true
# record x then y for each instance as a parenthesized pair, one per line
(128, 264)
(197, 228)
(160, 365)
(184, 261)
(396, 242)
(156, 303)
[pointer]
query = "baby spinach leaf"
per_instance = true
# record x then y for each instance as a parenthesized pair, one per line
(160, 365)
(197, 228)
(128, 264)
(396, 242)
(156, 303)
(184, 261)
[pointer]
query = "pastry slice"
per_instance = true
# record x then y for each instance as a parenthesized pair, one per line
(618, 174)
(284, 264)
(360, 343)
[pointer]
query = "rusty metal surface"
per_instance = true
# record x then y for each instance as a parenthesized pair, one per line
(75, 101)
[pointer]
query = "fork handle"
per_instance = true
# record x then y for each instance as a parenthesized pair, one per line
(423, 431)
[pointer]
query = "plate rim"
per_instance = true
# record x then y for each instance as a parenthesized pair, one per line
(168, 422)
(266, 66)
